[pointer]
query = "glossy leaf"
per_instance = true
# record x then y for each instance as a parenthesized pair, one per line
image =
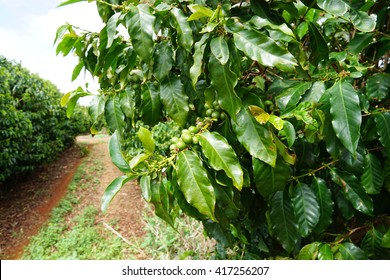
(140, 22)
(255, 137)
(289, 132)
(163, 60)
(362, 21)
(346, 114)
(371, 244)
(224, 81)
(111, 29)
(144, 183)
(174, 99)
(306, 207)
(270, 179)
(147, 140)
(113, 114)
(112, 190)
(151, 107)
(220, 49)
(383, 128)
(309, 251)
(378, 87)
(372, 178)
(289, 97)
(263, 49)
(283, 221)
(160, 199)
(318, 45)
(116, 155)
(183, 29)
(349, 251)
(325, 253)
(199, 11)
(194, 183)
(360, 42)
(353, 191)
(386, 240)
(338, 8)
(325, 202)
(196, 68)
(221, 156)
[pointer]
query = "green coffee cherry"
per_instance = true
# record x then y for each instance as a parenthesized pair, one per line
(186, 138)
(193, 129)
(181, 145)
(209, 112)
(195, 140)
(216, 115)
(174, 139)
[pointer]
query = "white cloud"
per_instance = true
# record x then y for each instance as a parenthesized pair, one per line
(32, 43)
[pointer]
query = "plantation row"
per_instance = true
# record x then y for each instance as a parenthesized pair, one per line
(34, 127)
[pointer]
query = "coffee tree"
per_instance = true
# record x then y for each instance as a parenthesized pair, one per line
(268, 121)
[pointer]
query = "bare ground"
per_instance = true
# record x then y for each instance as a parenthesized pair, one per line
(28, 204)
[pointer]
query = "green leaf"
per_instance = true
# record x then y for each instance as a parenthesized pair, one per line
(256, 138)
(112, 190)
(113, 113)
(221, 156)
(138, 159)
(289, 97)
(349, 251)
(183, 29)
(318, 45)
(360, 42)
(174, 99)
(261, 23)
(199, 11)
(160, 199)
(77, 70)
(289, 132)
(325, 252)
(151, 106)
(372, 178)
(346, 114)
(196, 68)
(163, 60)
(144, 183)
(325, 202)
(378, 87)
(371, 244)
(140, 23)
(224, 81)
(194, 183)
(147, 140)
(220, 49)
(270, 179)
(383, 128)
(363, 21)
(283, 221)
(306, 207)
(111, 28)
(338, 8)
(128, 102)
(309, 251)
(263, 49)
(353, 191)
(116, 155)
(386, 240)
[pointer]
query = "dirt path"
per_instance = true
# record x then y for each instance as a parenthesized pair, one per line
(28, 204)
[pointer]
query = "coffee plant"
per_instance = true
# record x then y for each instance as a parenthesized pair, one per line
(284, 113)
(34, 128)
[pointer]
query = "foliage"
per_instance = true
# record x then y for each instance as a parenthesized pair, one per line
(284, 111)
(33, 127)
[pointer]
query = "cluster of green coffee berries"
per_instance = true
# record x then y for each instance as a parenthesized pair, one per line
(214, 111)
(187, 137)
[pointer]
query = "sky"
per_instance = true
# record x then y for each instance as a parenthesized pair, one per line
(27, 32)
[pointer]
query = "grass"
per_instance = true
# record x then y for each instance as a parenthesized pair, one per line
(79, 235)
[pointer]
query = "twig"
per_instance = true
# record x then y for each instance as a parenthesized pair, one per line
(116, 233)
